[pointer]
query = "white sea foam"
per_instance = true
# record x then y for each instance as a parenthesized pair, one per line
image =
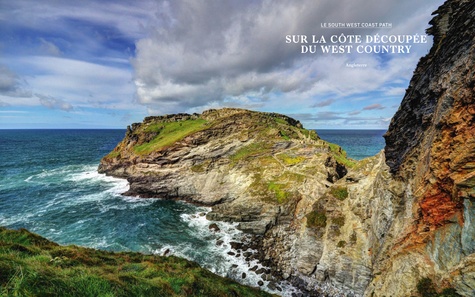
(11, 220)
(89, 174)
(220, 257)
(227, 261)
(134, 202)
(82, 176)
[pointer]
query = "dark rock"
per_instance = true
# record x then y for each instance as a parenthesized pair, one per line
(236, 245)
(214, 227)
(272, 286)
(261, 270)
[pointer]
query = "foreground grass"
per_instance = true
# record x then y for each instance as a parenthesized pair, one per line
(33, 266)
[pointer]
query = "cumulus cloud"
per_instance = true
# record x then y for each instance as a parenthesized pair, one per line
(192, 55)
(82, 84)
(208, 52)
(54, 103)
(127, 18)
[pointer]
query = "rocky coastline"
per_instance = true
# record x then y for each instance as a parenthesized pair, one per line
(328, 224)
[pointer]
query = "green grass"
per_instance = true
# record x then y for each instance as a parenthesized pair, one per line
(281, 195)
(33, 266)
(339, 221)
(316, 219)
(340, 155)
(290, 160)
(340, 193)
(309, 133)
(113, 154)
(169, 133)
(284, 136)
(201, 167)
(252, 150)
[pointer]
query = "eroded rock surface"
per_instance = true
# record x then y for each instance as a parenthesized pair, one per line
(430, 147)
(253, 167)
(330, 225)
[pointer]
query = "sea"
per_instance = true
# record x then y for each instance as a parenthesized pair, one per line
(49, 185)
(358, 144)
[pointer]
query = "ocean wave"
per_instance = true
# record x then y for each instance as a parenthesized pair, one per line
(82, 174)
(80, 197)
(227, 261)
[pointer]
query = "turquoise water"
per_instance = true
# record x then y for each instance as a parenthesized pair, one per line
(358, 144)
(49, 184)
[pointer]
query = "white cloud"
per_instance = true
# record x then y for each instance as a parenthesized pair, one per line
(82, 84)
(54, 103)
(192, 55)
(129, 18)
(375, 106)
(49, 47)
(205, 53)
(11, 85)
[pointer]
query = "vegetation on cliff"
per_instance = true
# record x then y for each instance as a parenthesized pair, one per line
(261, 170)
(169, 156)
(159, 133)
(34, 266)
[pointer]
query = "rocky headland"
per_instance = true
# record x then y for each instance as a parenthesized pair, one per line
(400, 223)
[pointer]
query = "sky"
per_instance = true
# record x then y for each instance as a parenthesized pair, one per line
(106, 64)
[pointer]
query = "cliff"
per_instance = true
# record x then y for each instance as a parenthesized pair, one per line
(253, 167)
(398, 224)
(262, 170)
(431, 149)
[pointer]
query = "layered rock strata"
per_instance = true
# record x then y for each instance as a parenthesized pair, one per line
(377, 227)
(430, 148)
(253, 167)
(262, 170)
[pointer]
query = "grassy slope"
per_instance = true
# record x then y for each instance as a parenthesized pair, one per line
(33, 266)
(169, 133)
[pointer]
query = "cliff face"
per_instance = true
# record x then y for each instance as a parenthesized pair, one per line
(254, 168)
(430, 147)
(279, 181)
(377, 227)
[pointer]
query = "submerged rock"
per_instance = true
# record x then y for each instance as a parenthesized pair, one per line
(214, 227)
